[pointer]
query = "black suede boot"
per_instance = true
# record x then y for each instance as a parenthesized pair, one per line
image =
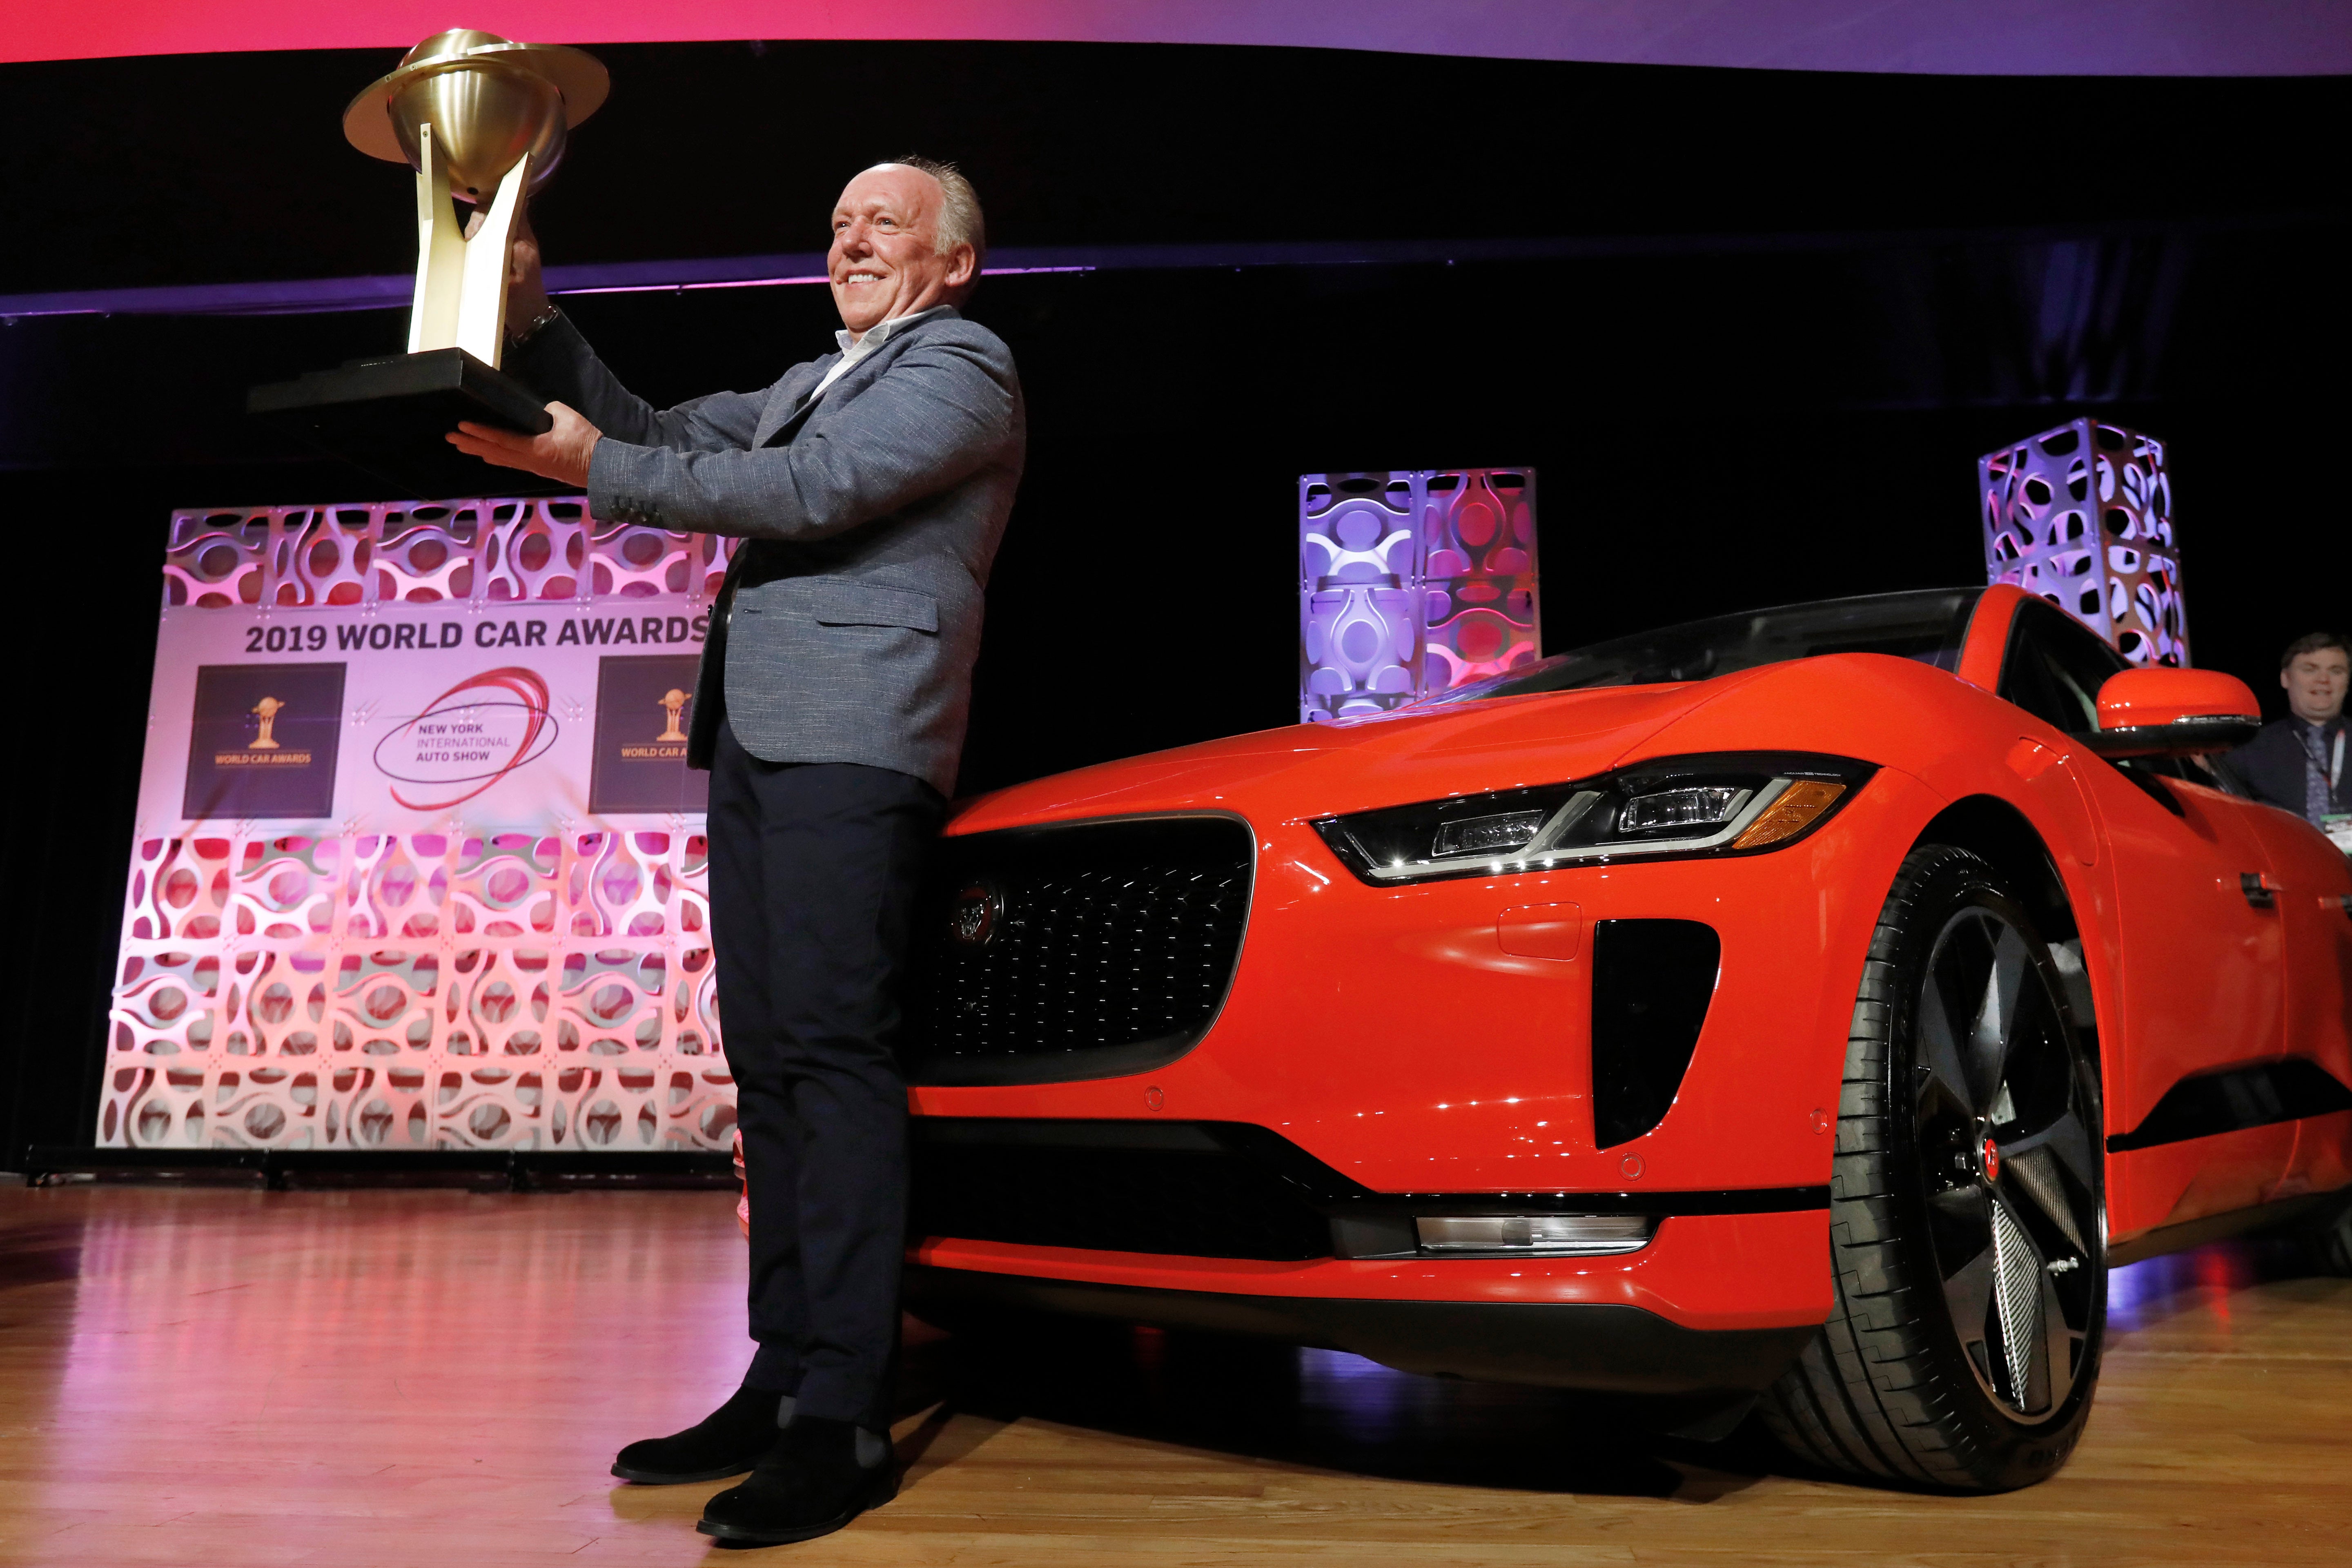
(726, 1442)
(820, 1474)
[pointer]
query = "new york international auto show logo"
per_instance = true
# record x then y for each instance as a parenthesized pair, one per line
(467, 739)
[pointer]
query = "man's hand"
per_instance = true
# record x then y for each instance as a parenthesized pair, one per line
(526, 289)
(560, 454)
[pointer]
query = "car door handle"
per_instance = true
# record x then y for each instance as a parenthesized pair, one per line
(2259, 891)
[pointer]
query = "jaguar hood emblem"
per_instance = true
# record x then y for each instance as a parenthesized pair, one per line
(974, 914)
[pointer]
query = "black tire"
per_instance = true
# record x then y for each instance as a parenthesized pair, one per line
(2330, 1245)
(1963, 1344)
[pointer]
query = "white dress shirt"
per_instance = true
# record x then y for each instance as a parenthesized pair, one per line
(856, 349)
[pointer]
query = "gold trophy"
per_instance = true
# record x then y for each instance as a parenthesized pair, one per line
(673, 703)
(483, 121)
(267, 710)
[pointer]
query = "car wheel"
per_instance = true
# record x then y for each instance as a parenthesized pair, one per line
(2330, 1245)
(1967, 1215)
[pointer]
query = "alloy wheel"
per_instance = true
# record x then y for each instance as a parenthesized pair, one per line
(2002, 1121)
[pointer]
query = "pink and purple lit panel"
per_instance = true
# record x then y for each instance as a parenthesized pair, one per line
(2015, 37)
(1412, 583)
(2082, 515)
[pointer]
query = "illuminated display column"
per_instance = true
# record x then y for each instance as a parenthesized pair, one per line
(1358, 602)
(1412, 583)
(1479, 605)
(2082, 515)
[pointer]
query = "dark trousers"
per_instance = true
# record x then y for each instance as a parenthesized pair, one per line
(813, 874)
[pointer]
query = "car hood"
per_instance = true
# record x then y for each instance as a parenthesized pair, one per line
(1315, 770)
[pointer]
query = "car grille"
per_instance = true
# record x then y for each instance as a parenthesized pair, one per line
(1171, 1188)
(1045, 954)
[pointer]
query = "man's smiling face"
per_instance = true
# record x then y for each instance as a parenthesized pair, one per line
(885, 260)
(2316, 683)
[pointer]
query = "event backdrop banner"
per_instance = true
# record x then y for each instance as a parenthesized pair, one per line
(419, 863)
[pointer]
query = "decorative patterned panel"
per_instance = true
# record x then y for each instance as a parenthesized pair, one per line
(428, 555)
(637, 563)
(1359, 625)
(1478, 575)
(539, 550)
(486, 552)
(323, 556)
(2082, 515)
(713, 553)
(467, 987)
(216, 560)
(431, 991)
(1411, 583)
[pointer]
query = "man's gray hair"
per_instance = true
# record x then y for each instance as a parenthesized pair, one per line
(961, 221)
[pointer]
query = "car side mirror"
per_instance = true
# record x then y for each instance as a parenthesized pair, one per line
(2160, 713)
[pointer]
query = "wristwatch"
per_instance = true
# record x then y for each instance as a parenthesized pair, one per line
(518, 336)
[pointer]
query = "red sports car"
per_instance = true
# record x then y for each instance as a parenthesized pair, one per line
(1800, 1010)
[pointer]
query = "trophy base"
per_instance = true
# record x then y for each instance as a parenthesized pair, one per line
(390, 415)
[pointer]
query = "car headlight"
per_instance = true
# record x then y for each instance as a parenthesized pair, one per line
(1671, 807)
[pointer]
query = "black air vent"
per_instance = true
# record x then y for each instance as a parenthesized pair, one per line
(1111, 1187)
(1045, 954)
(1652, 982)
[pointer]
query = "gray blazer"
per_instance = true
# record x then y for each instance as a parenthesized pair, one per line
(850, 618)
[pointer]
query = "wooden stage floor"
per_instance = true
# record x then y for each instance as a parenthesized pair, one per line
(218, 1377)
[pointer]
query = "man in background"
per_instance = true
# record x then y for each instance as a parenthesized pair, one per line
(2297, 764)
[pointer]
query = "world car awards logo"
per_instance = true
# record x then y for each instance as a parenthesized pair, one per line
(671, 742)
(263, 741)
(264, 750)
(645, 725)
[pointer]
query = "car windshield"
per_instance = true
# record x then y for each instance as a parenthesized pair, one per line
(1927, 626)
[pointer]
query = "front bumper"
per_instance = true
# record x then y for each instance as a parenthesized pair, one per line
(1742, 1275)
(1709, 1314)
(1408, 1043)
(1591, 1348)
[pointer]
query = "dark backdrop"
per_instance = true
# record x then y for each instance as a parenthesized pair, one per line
(1807, 304)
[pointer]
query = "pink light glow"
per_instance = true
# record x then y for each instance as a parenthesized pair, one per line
(1991, 38)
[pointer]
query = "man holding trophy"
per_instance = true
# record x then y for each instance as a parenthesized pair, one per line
(870, 487)
(871, 490)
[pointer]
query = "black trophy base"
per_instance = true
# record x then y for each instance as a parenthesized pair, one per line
(392, 417)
